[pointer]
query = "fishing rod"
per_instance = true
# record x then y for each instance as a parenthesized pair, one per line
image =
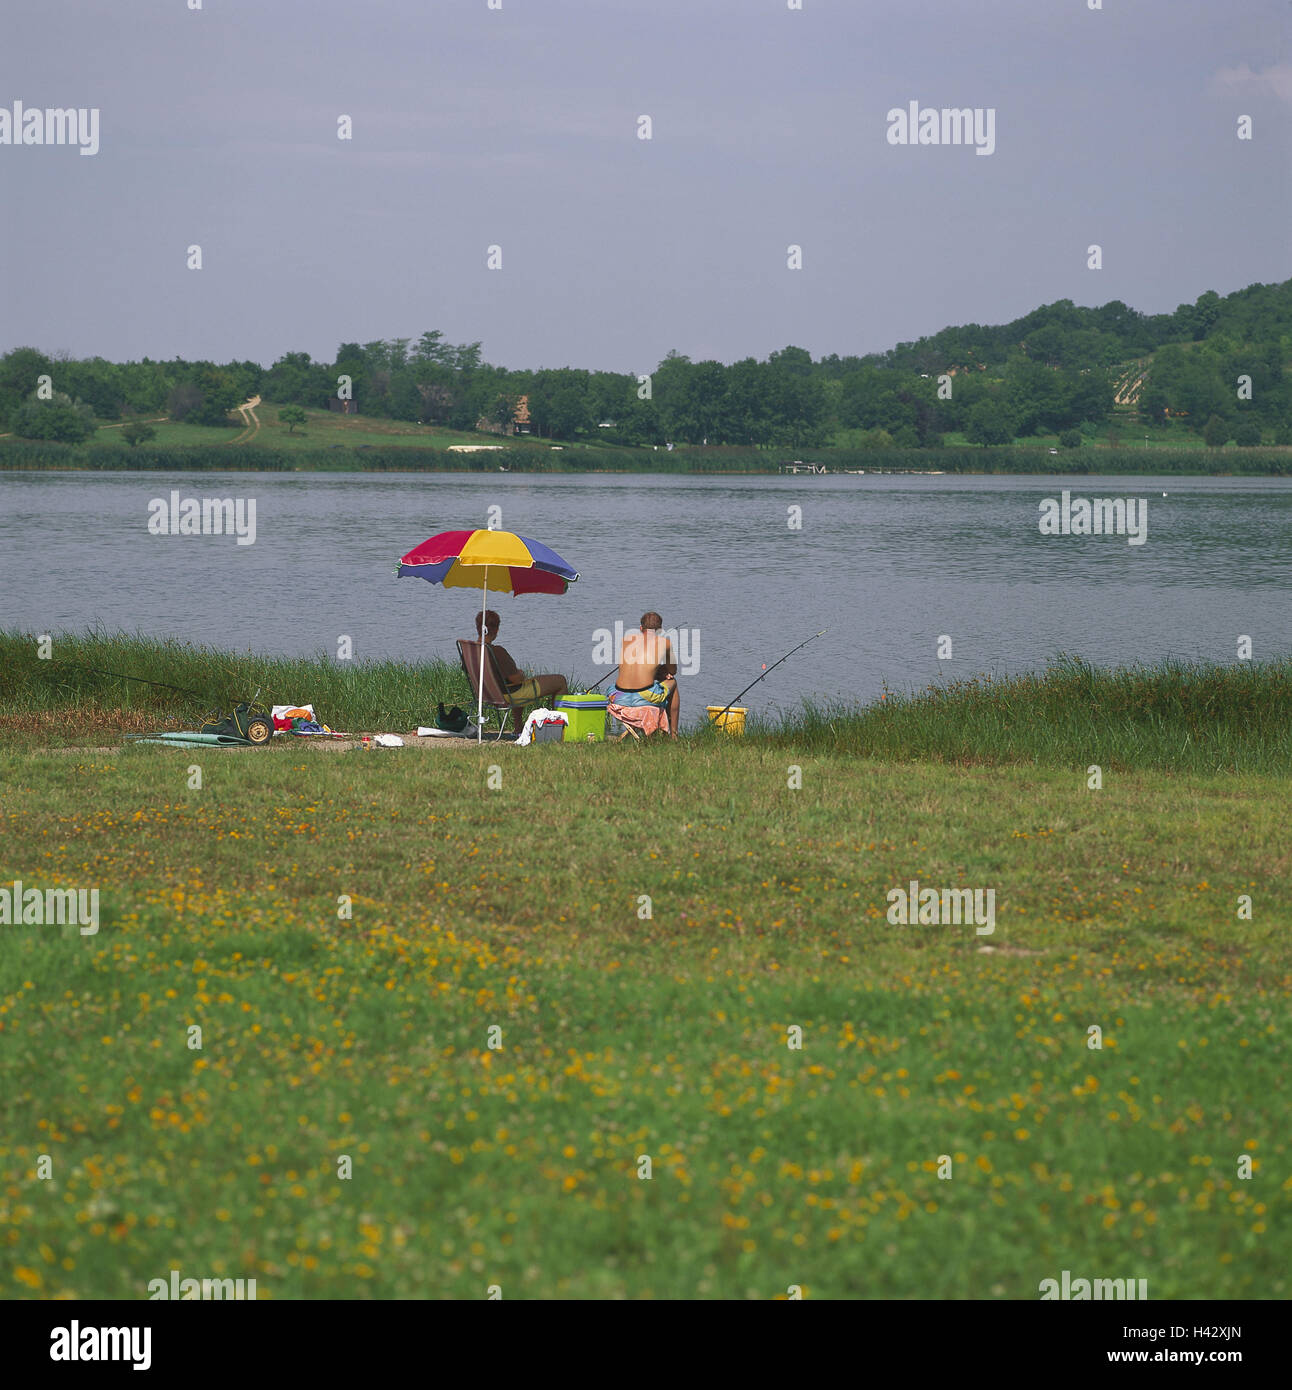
(120, 675)
(144, 680)
(615, 667)
(767, 671)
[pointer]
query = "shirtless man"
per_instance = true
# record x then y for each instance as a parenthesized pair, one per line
(519, 685)
(648, 669)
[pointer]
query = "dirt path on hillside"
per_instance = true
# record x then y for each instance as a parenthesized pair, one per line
(250, 422)
(120, 425)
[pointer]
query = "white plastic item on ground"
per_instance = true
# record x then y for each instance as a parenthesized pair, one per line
(537, 717)
(388, 740)
(295, 711)
(426, 732)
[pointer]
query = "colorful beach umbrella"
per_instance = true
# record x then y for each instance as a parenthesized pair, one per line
(491, 561)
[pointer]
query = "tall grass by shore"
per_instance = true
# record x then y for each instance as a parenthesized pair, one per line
(29, 455)
(82, 686)
(1175, 716)
(1169, 716)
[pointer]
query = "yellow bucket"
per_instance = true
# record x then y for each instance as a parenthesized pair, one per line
(732, 722)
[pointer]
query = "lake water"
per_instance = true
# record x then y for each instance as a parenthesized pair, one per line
(888, 564)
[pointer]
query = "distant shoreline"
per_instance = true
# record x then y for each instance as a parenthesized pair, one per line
(969, 461)
(689, 473)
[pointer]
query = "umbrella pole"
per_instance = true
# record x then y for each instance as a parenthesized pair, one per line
(484, 603)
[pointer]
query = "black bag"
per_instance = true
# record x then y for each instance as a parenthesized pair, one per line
(452, 721)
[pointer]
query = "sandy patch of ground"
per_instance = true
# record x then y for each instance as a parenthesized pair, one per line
(333, 745)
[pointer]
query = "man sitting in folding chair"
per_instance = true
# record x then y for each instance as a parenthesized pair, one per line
(518, 689)
(645, 699)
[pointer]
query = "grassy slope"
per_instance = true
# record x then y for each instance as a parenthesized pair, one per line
(326, 429)
(519, 907)
(323, 428)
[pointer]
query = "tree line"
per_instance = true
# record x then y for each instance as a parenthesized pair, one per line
(1217, 367)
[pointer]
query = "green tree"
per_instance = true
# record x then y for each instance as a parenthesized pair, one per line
(436, 388)
(95, 381)
(1215, 432)
(990, 422)
(1070, 439)
(219, 393)
(1248, 434)
(868, 400)
(60, 418)
(1090, 396)
(672, 384)
(19, 371)
(503, 411)
(182, 400)
(1035, 395)
(145, 385)
(136, 432)
(296, 380)
(746, 405)
(1152, 403)
(567, 413)
(405, 398)
(431, 347)
(291, 416)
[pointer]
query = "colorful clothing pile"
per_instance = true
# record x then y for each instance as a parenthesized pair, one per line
(285, 714)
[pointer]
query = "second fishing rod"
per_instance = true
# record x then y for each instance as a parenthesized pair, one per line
(766, 671)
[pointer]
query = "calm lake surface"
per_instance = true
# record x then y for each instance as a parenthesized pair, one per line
(887, 563)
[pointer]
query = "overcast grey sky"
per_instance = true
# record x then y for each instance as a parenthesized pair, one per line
(518, 127)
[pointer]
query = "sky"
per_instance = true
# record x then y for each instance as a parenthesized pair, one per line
(518, 127)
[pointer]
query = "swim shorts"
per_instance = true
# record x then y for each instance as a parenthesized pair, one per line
(525, 691)
(653, 694)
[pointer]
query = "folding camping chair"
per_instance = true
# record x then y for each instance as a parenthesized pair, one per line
(496, 695)
(629, 731)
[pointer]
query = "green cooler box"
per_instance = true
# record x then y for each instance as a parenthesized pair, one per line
(586, 714)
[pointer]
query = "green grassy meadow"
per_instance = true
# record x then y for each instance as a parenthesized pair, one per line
(323, 429)
(346, 928)
(329, 442)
